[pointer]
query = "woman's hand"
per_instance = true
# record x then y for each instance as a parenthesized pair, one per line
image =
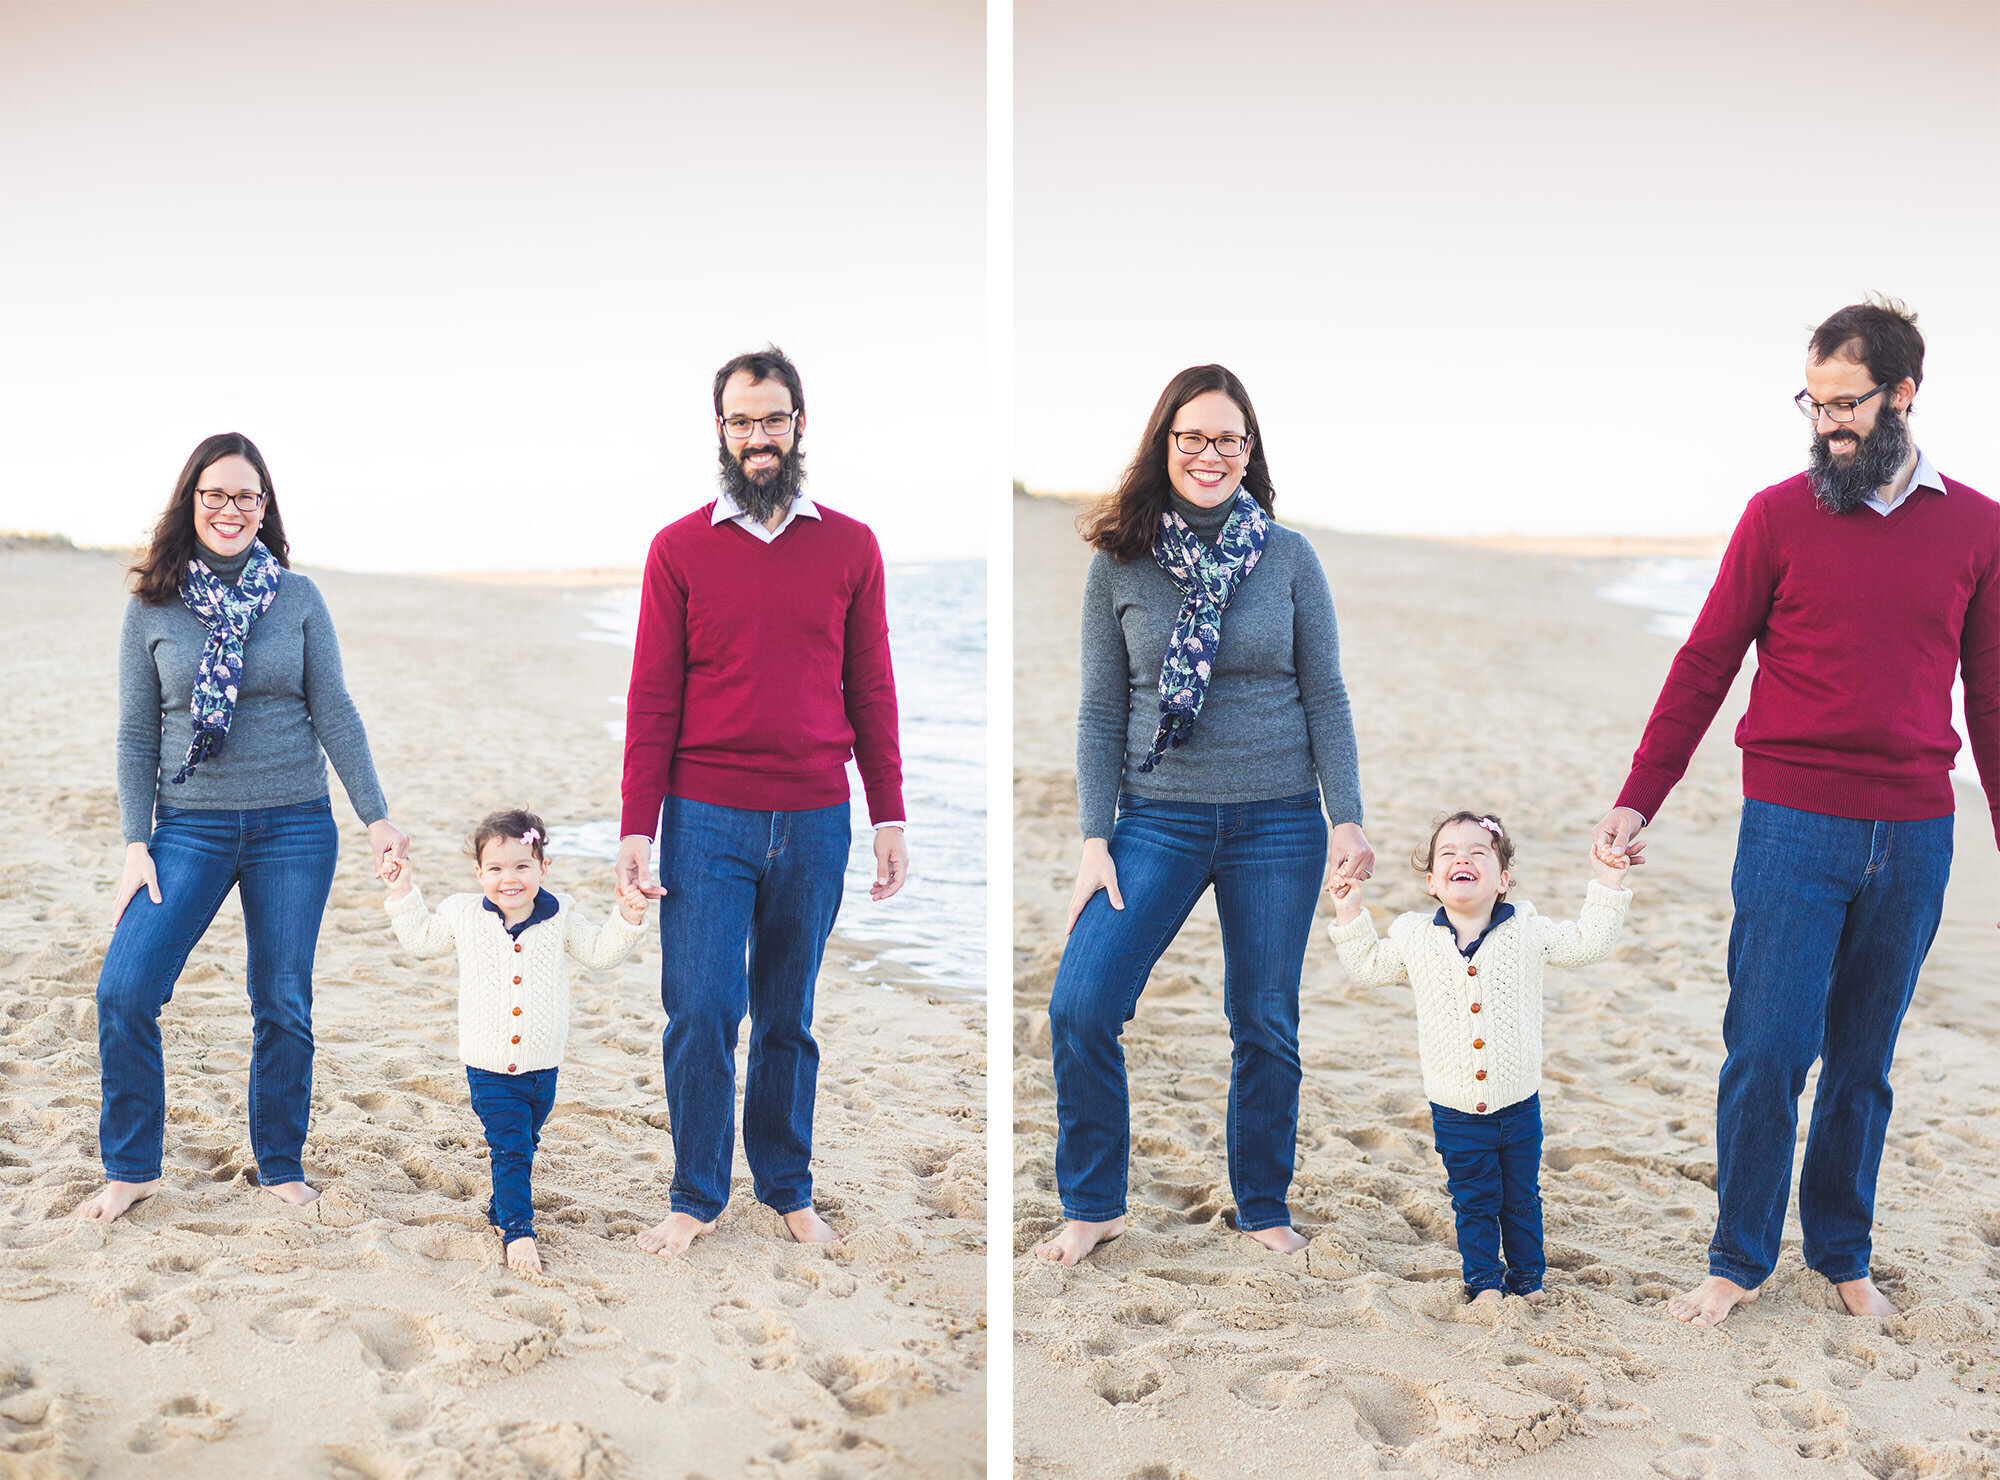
(1346, 900)
(390, 843)
(1348, 857)
(1096, 872)
(138, 871)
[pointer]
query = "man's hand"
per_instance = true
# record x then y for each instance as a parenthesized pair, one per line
(1348, 858)
(389, 843)
(635, 861)
(1096, 872)
(1346, 900)
(632, 904)
(137, 874)
(1617, 836)
(892, 863)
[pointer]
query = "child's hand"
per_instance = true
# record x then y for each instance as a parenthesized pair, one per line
(1609, 865)
(632, 903)
(397, 875)
(1346, 900)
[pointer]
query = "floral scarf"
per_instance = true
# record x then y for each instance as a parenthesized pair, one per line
(227, 612)
(1208, 578)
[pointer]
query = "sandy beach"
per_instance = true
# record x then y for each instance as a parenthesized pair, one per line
(1492, 678)
(377, 1334)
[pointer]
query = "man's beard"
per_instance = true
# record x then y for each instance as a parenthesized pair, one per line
(774, 494)
(1842, 485)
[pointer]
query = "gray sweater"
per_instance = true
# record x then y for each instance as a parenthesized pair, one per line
(292, 701)
(1275, 722)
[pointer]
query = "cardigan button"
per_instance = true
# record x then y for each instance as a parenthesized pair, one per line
(1475, 1007)
(517, 1038)
(1481, 1106)
(517, 945)
(1470, 969)
(510, 1070)
(517, 1011)
(517, 981)
(1480, 1075)
(1479, 1043)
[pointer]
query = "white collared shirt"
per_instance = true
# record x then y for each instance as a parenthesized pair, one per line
(727, 508)
(1925, 476)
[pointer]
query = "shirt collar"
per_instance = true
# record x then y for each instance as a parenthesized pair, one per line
(1925, 476)
(1502, 912)
(544, 909)
(727, 508)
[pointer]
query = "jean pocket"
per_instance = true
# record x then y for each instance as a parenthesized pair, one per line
(318, 804)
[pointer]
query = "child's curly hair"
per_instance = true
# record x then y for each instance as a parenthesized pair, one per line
(1503, 845)
(517, 824)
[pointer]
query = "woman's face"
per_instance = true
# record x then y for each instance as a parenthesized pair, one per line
(227, 530)
(1207, 478)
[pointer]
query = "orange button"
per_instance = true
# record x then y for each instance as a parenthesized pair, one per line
(517, 1038)
(517, 1011)
(1480, 1075)
(1481, 1106)
(517, 981)
(1479, 1043)
(510, 1070)
(517, 945)
(1470, 969)
(1475, 1007)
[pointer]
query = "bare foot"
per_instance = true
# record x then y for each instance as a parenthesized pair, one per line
(114, 1198)
(1862, 1298)
(1536, 1297)
(809, 1228)
(1077, 1240)
(1709, 1302)
(670, 1238)
(1487, 1297)
(524, 1256)
(1280, 1240)
(295, 1193)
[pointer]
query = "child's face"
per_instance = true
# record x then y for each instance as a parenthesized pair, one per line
(1465, 869)
(509, 873)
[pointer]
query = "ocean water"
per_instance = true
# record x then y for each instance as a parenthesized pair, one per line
(936, 924)
(1673, 589)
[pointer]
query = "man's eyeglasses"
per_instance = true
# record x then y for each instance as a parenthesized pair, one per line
(1194, 444)
(213, 499)
(1840, 411)
(774, 425)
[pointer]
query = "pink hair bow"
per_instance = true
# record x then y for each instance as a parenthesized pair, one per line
(531, 837)
(1490, 825)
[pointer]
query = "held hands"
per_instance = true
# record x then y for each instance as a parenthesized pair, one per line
(1617, 836)
(397, 874)
(1346, 900)
(632, 903)
(635, 861)
(1096, 872)
(390, 844)
(138, 873)
(892, 863)
(1610, 866)
(1349, 859)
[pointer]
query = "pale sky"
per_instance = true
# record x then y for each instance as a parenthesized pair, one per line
(464, 271)
(1499, 267)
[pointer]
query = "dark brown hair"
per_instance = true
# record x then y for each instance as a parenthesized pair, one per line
(1503, 845)
(1123, 523)
(512, 824)
(157, 573)
(1881, 333)
(768, 363)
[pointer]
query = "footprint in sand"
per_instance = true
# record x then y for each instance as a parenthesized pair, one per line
(675, 1378)
(189, 1416)
(1275, 1384)
(391, 1340)
(771, 1340)
(160, 1321)
(1389, 1410)
(295, 1318)
(869, 1383)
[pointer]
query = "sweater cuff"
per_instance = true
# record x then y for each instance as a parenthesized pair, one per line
(1361, 927)
(1595, 893)
(885, 800)
(410, 904)
(1645, 791)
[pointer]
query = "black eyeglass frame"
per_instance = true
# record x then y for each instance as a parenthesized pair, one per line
(1810, 409)
(256, 500)
(759, 423)
(1207, 442)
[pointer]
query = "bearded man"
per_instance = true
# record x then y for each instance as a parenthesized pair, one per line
(762, 665)
(1866, 583)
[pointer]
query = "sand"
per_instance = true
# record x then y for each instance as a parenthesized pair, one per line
(377, 1334)
(1492, 679)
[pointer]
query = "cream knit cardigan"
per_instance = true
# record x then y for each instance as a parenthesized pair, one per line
(1504, 979)
(513, 995)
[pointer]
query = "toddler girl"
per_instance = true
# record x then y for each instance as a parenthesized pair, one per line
(514, 940)
(1476, 969)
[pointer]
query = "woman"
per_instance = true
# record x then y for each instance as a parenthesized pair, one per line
(1212, 720)
(231, 702)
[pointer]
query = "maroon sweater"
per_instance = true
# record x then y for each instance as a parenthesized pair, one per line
(759, 670)
(1860, 622)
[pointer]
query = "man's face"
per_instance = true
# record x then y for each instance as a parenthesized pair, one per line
(1851, 460)
(1841, 379)
(761, 454)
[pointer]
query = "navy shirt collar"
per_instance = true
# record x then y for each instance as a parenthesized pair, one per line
(1501, 911)
(544, 909)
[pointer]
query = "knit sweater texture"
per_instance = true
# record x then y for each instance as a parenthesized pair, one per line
(292, 715)
(1861, 622)
(1275, 721)
(1480, 1061)
(759, 670)
(513, 995)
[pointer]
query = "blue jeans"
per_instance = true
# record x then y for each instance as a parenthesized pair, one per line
(751, 898)
(1492, 1168)
(1833, 919)
(282, 859)
(1266, 861)
(511, 1109)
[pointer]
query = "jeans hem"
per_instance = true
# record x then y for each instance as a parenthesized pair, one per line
(1076, 1217)
(794, 1208)
(1242, 1227)
(112, 1176)
(1841, 1279)
(698, 1214)
(1472, 1289)
(1718, 1269)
